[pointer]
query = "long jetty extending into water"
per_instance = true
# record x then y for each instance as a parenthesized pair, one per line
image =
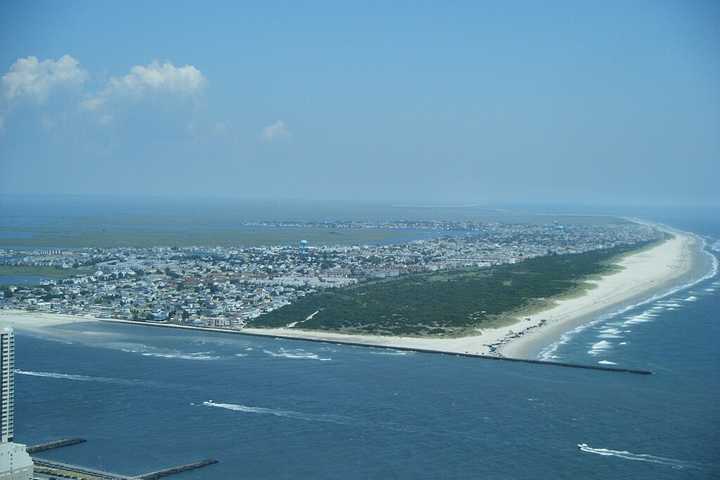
(65, 442)
(173, 470)
(51, 467)
(389, 347)
(62, 469)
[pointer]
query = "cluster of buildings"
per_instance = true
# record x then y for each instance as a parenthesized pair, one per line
(227, 287)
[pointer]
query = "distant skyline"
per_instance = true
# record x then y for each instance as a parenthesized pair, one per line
(446, 102)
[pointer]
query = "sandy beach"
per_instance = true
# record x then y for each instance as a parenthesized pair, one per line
(641, 274)
(24, 320)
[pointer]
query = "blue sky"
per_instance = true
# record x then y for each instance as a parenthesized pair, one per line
(587, 102)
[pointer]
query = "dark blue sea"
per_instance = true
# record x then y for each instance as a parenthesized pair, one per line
(147, 398)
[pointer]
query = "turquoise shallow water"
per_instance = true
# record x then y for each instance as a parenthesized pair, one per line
(147, 398)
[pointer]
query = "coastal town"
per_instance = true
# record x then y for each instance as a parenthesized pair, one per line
(225, 287)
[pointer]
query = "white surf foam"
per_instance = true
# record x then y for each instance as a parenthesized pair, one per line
(610, 332)
(182, 356)
(280, 413)
(297, 354)
(639, 457)
(599, 347)
(643, 317)
(550, 352)
(389, 352)
(606, 362)
(691, 298)
(148, 351)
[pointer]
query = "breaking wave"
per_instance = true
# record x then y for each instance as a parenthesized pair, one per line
(147, 351)
(599, 347)
(297, 354)
(281, 413)
(390, 351)
(182, 356)
(639, 457)
(549, 353)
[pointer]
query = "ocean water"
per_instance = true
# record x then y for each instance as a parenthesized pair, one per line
(147, 398)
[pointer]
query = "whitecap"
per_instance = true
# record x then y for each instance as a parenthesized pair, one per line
(297, 354)
(691, 298)
(548, 353)
(182, 356)
(606, 362)
(389, 352)
(599, 347)
(147, 351)
(610, 332)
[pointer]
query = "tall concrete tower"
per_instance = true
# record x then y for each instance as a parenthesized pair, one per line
(7, 384)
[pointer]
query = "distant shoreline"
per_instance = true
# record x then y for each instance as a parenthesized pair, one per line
(642, 274)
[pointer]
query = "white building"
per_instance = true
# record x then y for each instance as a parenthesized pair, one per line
(7, 384)
(15, 463)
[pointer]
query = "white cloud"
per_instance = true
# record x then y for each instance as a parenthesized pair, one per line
(35, 79)
(143, 80)
(275, 131)
(158, 77)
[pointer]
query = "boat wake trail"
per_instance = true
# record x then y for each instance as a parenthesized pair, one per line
(84, 378)
(638, 457)
(339, 419)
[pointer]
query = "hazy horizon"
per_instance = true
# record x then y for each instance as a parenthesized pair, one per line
(466, 103)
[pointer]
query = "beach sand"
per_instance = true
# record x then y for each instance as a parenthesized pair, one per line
(641, 275)
(25, 320)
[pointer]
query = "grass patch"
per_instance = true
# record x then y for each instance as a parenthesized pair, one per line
(41, 271)
(448, 303)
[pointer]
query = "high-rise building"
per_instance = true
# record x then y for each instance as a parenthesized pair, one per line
(15, 463)
(7, 384)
